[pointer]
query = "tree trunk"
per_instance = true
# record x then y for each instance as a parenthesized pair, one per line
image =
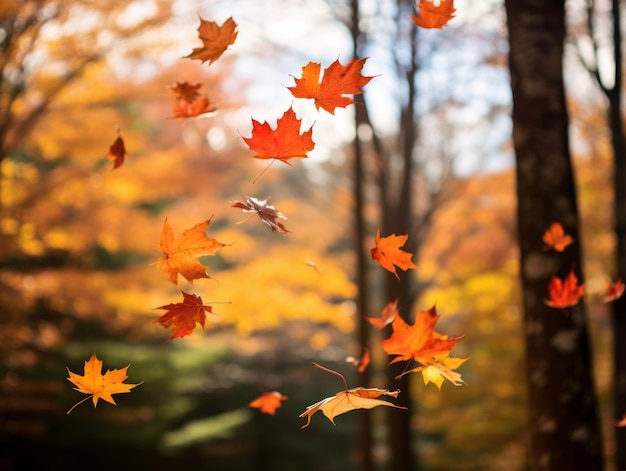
(564, 427)
(614, 96)
(364, 435)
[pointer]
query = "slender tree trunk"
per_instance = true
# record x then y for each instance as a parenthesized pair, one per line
(616, 124)
(564, 427)
(362, 302)
(400, 437)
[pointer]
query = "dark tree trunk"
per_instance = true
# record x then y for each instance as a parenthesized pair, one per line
(614, 96)
(564, 426)
(364, 435)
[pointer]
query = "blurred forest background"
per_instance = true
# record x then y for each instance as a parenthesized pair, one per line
(78, 241)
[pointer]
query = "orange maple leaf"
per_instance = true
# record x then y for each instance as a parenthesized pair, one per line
(117, 151)
(182, 317)
(556, 238)
(215, 39)
(387, 315)
(179, 254)
(360, 363)
(283, 143)
(564, 292)
(615, 290)
(348, 399)
(96, 384)
(338, 80)
(387, 253)
(188, 102)
(419, 341)
(621, 422)
(433, 15)
(268, 402)
(267, 212)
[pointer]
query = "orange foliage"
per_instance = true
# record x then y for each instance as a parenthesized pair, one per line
(387, 253)
(338, 80)
(188, 102)
(556, 238)
(180, 253)
(615, 290)
(564, 292)
(99, 386)
(268, 402)
(419, 341)
(347, 400)
(434, 16)
(388, 314)
(215, 39)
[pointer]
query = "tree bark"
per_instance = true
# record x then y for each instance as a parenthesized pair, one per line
(564, 426)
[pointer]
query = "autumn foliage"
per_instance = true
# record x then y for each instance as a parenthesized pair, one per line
(387, 252)
(434, 15)
(183, 317)
(337, 81)
(329, 88)
(180, 253)
(97, 385)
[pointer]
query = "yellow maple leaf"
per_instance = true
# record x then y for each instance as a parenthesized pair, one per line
(99, 386)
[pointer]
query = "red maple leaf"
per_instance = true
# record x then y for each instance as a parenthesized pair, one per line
(338, 80)
(615, 290)
(183, 317)
(282, 143)
(565, 292)
(117, 151)
(434, 16)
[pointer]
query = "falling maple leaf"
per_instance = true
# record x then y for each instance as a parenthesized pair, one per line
(267, 212)
(621, 422)
(188, 102)
(283, 143)
(338, 80)
(433, 15)
(360, 363)
(179, 254)
(615, 290)
(348, 399)
(268, 402)
(556, 238)
(419, 341)
(387, 315)
(117, 151)
(96, 384)
(215, 39)
(564, 292)
(182, 317)
(387, 253)
(438, 369)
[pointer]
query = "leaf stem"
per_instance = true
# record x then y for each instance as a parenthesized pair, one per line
(263, 171)
(345, 383)
(79, 402)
